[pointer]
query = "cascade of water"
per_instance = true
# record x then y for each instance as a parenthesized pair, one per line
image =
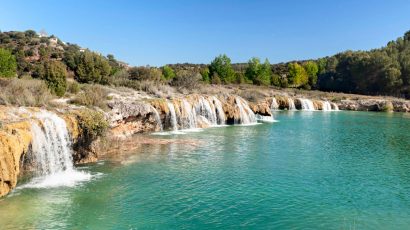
(326, 106)
(246, 114)
(335, 107)
(291, 104)
(307, 104)
(204, 108)
(190, 114)
(51, 144)
(173, 116)
(274, 105)
(51, 152)
(157, 117)
(220, 113)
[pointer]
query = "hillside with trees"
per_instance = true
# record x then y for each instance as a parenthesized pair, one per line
(383, 71)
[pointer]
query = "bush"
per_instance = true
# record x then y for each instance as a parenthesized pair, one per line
(186, 79)
(8, 64)
(92, 95)
(92, 68)
(73, 87)
(24, 92)
(55, 74)
(145, 73)
(216, 80)
(168, 72)
(92, 123)
(387, 107)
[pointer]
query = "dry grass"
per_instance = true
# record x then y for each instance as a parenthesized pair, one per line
(92, 96)
(24, 92)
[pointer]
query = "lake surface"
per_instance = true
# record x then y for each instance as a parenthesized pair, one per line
(311, 170)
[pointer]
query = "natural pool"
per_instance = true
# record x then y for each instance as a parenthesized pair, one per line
(311, 170)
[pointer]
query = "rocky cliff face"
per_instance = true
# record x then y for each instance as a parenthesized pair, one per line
(15, 140)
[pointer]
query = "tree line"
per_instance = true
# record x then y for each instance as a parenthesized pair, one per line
(384, 71)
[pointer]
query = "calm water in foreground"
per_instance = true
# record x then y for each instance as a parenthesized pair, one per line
(311, 170)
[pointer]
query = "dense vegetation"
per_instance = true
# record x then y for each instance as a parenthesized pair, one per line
(384, 71)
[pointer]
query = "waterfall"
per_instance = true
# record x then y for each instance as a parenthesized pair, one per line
(335, 107)
(220, 113)
(326, 106)
(291, 104)
(307, 104)
(51, 152)
(189, 121)
(204, 108)
(246, 114)
(274, 105)
(157, 118)
(173, 116)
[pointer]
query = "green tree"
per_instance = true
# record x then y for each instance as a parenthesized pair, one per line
(253, 69)
(55, 74)
(259, 74)
(221, 66)
(92, 68)
(311, 69)
(168, 73)
(8, 64)
(297, 75)
(265, 74)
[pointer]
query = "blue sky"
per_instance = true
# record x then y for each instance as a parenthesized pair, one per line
(159, 32)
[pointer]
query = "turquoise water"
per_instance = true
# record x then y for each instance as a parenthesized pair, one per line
(311, 170)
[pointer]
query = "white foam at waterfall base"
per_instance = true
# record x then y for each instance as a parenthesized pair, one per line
(67, 178)
(52, 153)
(265, 119)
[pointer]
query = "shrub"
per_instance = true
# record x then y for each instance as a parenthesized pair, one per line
(186, 79)
(215, 79)
(145, 73)
(92, 68)
(55, 74)
(24, 92)
(168, 72)
(73, 87)
(8, 64)
(92, 95)
(92, 123)
(387, 107)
